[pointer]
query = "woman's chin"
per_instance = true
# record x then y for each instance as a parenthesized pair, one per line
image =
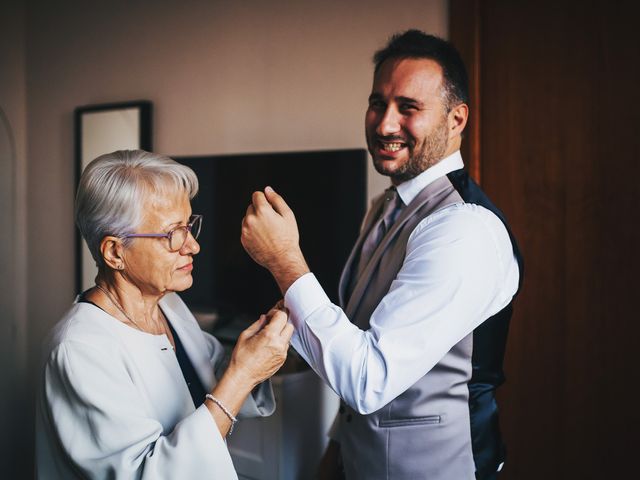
(182, 285)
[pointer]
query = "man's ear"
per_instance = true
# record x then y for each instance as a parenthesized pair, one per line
(112, 252)
(457, 119)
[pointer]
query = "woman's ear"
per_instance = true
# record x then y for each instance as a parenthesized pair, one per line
(112, 252)
(457, 119)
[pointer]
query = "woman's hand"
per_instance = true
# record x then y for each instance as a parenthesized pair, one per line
(262, 348)
(259, 353)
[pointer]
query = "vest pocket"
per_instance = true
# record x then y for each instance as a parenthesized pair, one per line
(405, 422)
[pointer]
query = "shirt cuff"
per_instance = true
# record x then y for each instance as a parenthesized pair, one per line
(304, 297)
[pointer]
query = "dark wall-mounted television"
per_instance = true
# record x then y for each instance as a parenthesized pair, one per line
(325, 189)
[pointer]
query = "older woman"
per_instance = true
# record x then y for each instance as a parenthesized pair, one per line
(132, 388)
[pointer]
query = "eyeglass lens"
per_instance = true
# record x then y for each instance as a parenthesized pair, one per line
(180, 234)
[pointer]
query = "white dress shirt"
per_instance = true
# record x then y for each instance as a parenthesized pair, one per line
(114, 402)
(459, 270)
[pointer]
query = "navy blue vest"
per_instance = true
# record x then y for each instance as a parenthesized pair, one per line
(489, 344)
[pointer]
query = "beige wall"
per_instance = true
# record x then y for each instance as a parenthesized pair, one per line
(224, 76)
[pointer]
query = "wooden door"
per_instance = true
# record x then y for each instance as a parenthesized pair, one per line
(554, 140)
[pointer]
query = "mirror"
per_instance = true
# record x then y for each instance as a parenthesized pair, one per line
(101, 129)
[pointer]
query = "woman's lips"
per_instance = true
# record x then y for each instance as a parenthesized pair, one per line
(187, 268)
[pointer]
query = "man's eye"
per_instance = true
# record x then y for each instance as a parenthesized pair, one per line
(376, 104)
(408, 107)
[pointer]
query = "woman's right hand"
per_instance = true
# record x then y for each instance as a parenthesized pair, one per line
(259, 353)
(262, 348)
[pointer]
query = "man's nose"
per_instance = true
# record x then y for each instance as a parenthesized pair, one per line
(389, 123)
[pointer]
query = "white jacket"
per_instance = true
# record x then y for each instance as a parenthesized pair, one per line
(113, 402)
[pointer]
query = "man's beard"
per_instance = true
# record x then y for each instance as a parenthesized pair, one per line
(430, 152)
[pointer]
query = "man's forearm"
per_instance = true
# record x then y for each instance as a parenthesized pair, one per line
(287, 270)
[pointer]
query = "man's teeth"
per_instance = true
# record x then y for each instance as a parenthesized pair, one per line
(392, 147)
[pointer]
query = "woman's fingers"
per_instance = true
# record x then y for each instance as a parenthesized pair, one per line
(278, 308)
(254, 327)
(262, 347)
(278, 321)
(287, 331)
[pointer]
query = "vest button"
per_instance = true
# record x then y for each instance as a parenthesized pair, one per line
(349, 418)
(341, 409)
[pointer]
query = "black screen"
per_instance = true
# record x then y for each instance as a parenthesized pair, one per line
(326, 191)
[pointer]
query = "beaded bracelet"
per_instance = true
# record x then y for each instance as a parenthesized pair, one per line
(224, 409)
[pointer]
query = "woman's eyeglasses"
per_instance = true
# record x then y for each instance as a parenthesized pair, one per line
(177, 236)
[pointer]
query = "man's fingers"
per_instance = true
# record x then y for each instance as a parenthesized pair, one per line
(276, 201)
(259, 200)
(250, 211)
(269, 200)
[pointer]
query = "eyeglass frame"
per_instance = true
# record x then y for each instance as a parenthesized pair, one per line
(192, 220)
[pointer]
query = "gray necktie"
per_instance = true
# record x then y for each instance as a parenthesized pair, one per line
(390, 210)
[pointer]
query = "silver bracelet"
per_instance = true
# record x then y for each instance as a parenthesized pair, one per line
(224, 409)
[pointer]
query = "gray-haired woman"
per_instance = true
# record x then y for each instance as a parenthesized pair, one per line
(131, 387)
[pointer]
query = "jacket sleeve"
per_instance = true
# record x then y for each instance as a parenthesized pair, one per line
(261, 402)
(100, 422)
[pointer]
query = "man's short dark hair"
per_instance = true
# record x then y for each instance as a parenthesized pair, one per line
(417, 44)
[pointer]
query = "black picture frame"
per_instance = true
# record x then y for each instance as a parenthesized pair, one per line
(99, 129)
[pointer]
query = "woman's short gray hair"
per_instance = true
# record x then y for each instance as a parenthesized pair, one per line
(114, 188)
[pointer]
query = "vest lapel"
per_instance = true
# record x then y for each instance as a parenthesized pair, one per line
(352, 261)
(427, 200)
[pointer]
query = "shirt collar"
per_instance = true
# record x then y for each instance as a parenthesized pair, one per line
(409, 189)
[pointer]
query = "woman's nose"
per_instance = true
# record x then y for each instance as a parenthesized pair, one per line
(191, 246)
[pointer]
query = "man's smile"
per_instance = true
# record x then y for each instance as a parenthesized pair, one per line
(390, 146)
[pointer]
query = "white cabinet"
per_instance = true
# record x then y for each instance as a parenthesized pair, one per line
(287, 445)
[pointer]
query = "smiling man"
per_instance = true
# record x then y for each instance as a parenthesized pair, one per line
(415, 350)
(409, 118)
